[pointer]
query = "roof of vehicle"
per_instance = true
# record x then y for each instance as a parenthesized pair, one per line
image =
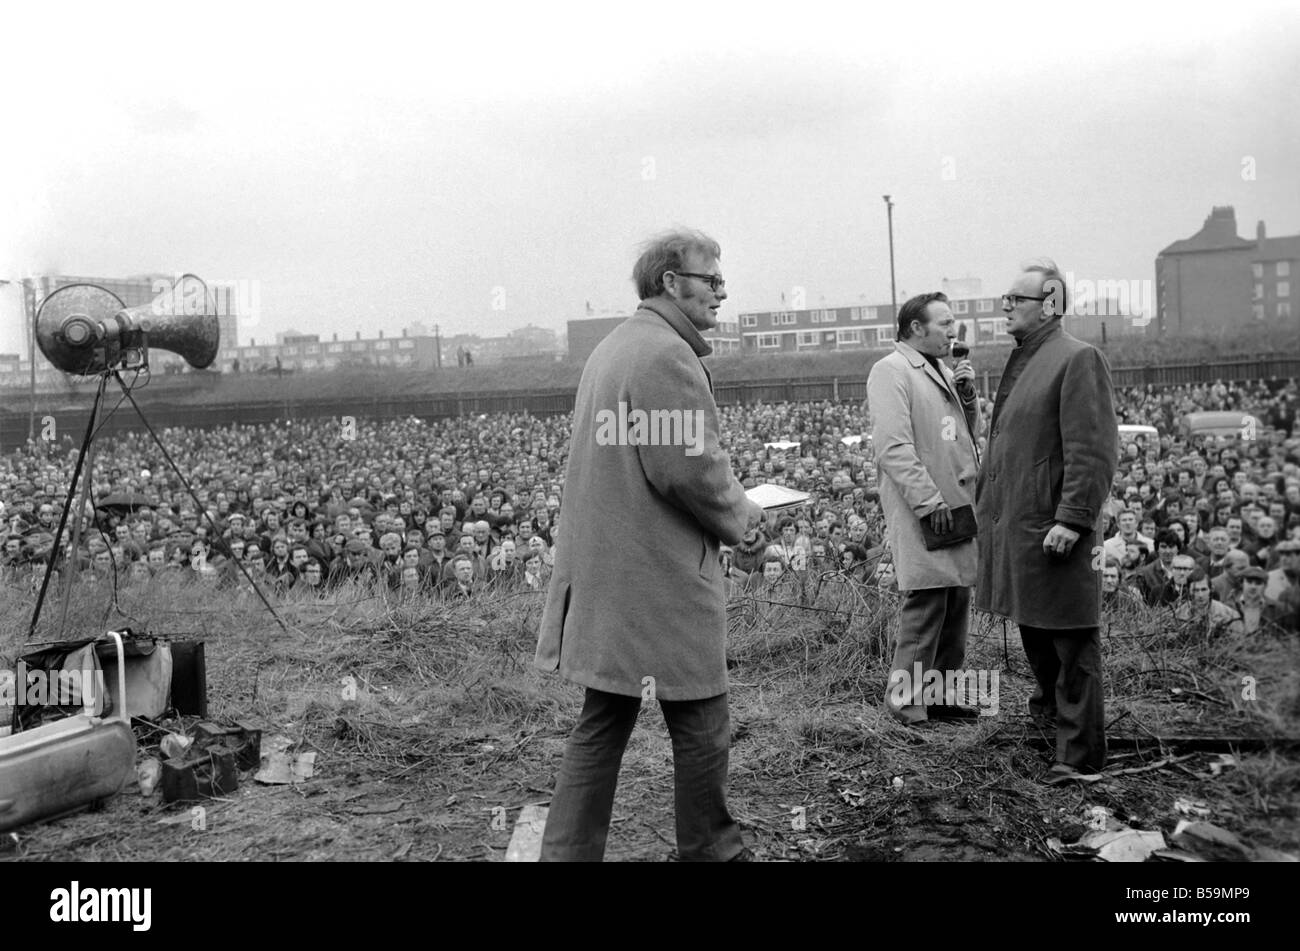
(1218, 422)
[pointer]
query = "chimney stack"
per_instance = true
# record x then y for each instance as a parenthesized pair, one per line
(1259, 232)
(381, 335)
(358, 334)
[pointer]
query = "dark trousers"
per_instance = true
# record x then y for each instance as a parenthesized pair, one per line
(1070, 690)
(578, 821)
(932, 628)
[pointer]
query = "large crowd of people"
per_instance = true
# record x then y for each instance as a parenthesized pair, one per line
(1208, 529)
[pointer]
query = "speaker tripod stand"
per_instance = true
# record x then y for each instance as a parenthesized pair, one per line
(84, 457)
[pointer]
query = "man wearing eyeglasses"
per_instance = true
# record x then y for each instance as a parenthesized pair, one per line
(636, 607)
(1051, 458)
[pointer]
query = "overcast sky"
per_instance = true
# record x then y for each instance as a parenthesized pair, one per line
(496, 165)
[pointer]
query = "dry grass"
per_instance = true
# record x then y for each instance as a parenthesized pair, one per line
(449, 721)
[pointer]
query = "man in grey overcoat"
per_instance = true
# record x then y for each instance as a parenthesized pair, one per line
(924, 420)
(1052, 451)
(636, 605)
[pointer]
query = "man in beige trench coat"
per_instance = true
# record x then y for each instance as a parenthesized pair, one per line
(924, 419)
(636, 606)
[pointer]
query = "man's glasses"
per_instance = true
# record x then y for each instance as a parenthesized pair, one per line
(1011, 301)
(715, 281)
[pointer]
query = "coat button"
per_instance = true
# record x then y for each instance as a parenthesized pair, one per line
(961, 481)
(993, 477)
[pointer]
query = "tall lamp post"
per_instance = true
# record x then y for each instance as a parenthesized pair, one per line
(893, 294)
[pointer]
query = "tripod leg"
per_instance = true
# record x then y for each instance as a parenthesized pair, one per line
(199, 505)
(63, 518)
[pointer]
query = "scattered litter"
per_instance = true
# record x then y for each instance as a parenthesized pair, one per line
(526, 841)
(1175, 855)
(1113, 845)
(1191, 807)
(897, 784)
(1210, 841)
(1265, 854)
(1131, 845)
(174, 745)
(148, 774)
(1225, 761)
(282, 768)
(1102, 819)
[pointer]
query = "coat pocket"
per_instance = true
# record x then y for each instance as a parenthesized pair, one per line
(1043, 485)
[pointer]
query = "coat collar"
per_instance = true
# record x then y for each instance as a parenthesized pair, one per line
(1038, 336)
(666, 308)
(918, 361)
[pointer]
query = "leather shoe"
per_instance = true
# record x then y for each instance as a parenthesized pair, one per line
(1062, 773)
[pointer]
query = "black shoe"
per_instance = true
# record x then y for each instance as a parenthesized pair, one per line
(952, 712)
(1062, 775)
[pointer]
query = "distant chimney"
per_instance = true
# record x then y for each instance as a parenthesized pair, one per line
(252, 341)
(358, 334)
(403, 331)
(336, 337)
(381, 335)
(1259, 232)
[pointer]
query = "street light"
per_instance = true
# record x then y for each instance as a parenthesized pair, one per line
(893, 294)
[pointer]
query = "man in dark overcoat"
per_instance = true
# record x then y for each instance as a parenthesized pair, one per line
(1052, 452)
(636, 605)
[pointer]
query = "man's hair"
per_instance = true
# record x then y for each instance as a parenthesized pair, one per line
(915, 309)
(1054, 287)
(667, 252)
(1167, 536)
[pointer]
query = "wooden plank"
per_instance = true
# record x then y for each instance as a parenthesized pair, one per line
(526, 840)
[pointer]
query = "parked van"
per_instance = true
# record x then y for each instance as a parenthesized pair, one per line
(1231, 423)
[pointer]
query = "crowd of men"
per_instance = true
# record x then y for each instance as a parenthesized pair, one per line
(1209, 529)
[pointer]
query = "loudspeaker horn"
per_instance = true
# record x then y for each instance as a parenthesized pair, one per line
(85, 329)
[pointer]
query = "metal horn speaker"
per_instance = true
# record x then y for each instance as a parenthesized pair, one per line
(85, 329)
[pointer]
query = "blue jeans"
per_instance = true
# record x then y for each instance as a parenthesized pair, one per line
(578, 821)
